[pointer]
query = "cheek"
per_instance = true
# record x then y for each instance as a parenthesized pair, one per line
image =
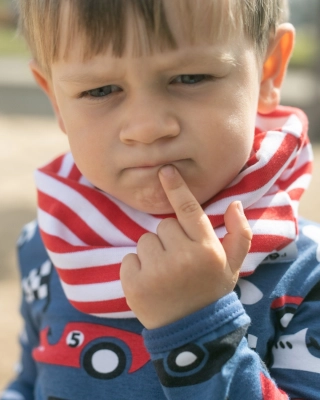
(90, 150)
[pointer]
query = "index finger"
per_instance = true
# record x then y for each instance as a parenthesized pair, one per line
(190, 214)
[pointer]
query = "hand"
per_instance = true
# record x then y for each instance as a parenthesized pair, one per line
(183, 267)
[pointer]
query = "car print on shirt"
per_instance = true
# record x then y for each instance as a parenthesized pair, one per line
(292, 352)
(94, 347)
(196, 363)
(249, 293)
(285, 307)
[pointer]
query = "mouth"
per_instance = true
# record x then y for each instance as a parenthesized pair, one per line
(156, 165)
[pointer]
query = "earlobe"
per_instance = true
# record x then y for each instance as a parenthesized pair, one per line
(44, 83)
(275, 67)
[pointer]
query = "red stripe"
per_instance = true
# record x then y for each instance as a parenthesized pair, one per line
(101, 307)
(74, 174)
(285, 300)
(109, 209)
(279, 213)
(58, 245)
(257, 179)
(258, 139)
(270, 390)
(216, 220)
(286, 111)
(268, 243)
(69, 218)
(54, 166)
(283, 213)
(84, 276)
(304, 169)
(295, 194)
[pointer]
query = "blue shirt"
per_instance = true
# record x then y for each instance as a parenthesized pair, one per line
(260, 342)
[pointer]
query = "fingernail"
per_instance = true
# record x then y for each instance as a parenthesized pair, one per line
(240, 207)
(167, 170)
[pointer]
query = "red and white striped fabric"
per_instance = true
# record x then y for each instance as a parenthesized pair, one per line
(87, 232)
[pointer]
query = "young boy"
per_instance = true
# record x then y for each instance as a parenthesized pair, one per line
(171, 108)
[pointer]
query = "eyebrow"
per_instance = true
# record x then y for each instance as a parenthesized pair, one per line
(179, 61)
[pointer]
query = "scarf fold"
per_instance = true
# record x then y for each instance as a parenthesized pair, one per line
(87, 232)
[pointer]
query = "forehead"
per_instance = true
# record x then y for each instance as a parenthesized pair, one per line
(166, 25)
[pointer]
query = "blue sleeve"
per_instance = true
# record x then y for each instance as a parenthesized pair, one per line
(206, 355)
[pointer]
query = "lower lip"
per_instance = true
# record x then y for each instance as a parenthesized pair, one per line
(157, 166)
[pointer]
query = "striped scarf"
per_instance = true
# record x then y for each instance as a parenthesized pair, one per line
(87, 232)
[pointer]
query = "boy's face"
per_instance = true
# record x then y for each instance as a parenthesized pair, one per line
(193, 107)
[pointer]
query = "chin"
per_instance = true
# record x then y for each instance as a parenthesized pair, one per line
(152, 202)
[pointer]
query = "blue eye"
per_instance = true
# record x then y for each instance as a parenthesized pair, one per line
(102, 91)
(190, 79)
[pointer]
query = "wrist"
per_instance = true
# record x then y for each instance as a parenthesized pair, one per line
(225, 312)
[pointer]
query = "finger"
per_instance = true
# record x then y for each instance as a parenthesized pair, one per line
(170, 233)
(237, 241)
(190, 215)
(148, 246)
(129, 271)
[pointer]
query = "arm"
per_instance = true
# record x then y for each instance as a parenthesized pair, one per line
(196, 325)
(205, 355)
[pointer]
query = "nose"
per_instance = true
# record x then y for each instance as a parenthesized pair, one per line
(148, 120)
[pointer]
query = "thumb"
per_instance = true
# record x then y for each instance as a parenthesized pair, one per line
(237, 241)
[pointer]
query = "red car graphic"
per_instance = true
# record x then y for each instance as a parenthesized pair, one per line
(103, 359)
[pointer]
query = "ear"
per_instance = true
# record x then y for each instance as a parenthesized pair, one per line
(275, 67)
(45, 84)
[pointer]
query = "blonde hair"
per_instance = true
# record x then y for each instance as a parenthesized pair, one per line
(102, 23)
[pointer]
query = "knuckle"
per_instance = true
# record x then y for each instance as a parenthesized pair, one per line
(165, 224)
(145, 238)
(189, 207)
(247, 234)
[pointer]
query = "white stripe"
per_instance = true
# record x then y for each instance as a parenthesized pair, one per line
(295, 207)
(247, 198)
(265, 123)
(93, 291)
(273, 227)
(301, 183)
(84, 181)
(266, 227)
(66, 165)
(252, 260)
(83, 208)
(122, 314)
(90, 257)
(273, 200)
(270, 144)
(288, 124)
(293, 126)
(303, 158)
(53, 226)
